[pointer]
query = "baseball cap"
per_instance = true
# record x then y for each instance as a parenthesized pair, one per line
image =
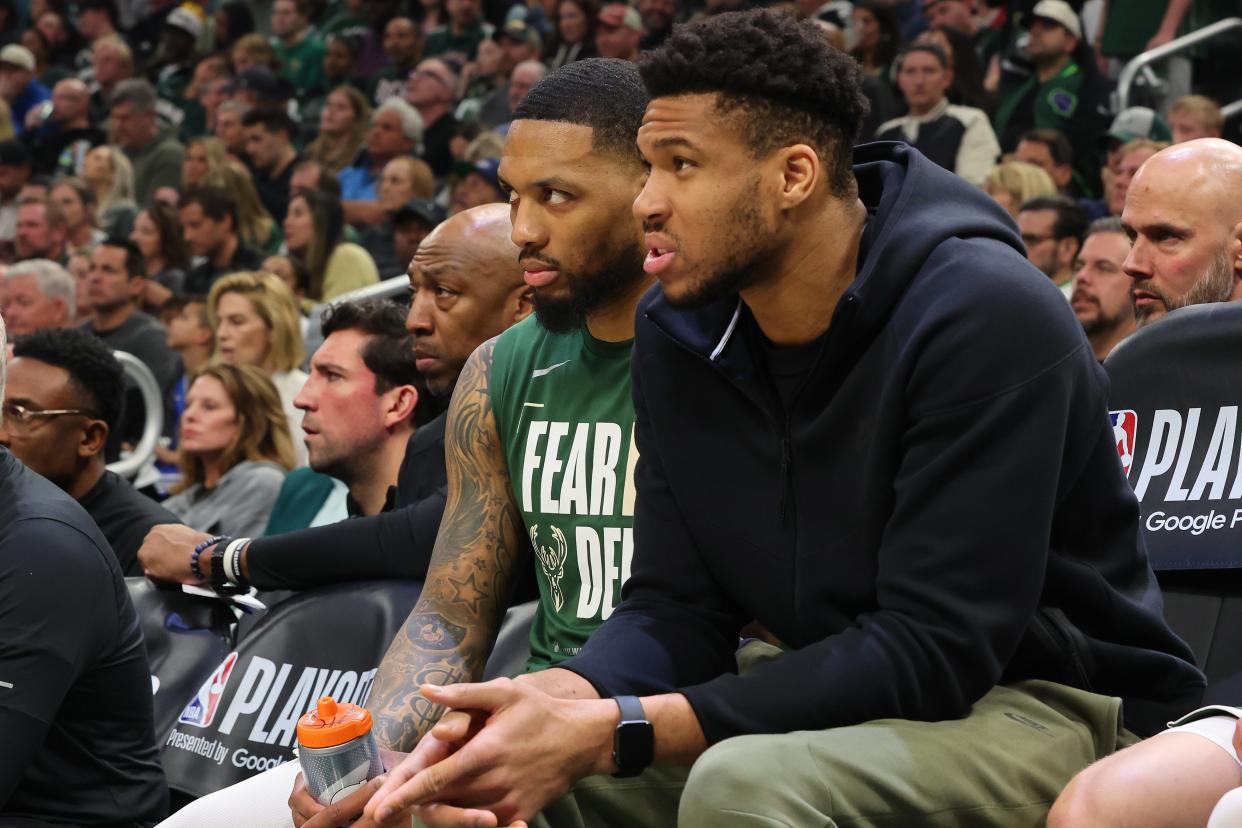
(18, 55)
(520, 31)
(254, 79)
(619, 14)
(185, 20)
(14, 153)
(1137, 122)
(423, 209)
(489, 168)
(1059, 12)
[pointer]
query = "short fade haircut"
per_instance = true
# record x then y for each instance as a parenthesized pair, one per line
(95, 374)
(1070, 220)
(389, 350)
(215, 202)
(135, 263)
(605, 94)
(776, 77)
(272, 119)
(1058, 145)
(136, 91)
(53, 280)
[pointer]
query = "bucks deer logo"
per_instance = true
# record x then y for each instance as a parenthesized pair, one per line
(552, 561)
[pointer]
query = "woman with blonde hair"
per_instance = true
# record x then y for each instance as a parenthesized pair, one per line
(256, 320)
(255, 225)
(343, 127)
(235, 450)
(1014, 183)
(202, 155)
(110, 176)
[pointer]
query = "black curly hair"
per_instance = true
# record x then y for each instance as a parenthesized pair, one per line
(93, 371)
(777, 79)
(604, 94)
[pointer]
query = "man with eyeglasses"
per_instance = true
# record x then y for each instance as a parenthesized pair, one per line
(64, 398)
(75, 688)
(432, 90)
(1052, 230)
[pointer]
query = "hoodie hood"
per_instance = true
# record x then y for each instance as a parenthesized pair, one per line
(905, 195)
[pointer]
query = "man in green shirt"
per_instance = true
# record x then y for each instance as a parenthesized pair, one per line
(463, 33)
(300, 50)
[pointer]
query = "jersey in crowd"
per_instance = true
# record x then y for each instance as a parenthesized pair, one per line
(564, 414)
(75, 691)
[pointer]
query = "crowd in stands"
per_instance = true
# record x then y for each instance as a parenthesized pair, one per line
(198, 184)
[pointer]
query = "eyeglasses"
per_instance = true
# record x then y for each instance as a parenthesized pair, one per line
(23, 417)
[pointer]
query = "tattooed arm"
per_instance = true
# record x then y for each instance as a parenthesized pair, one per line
(453, 627)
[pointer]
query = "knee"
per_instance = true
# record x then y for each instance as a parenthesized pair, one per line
(1098, 797)
(722, 781)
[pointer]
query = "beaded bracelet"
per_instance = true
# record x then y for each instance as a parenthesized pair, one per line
(195, 569)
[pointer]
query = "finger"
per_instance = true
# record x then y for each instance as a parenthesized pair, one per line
(426, 784)
(440, 815)
(346, 810)
(454, 726)
(486, 696)
(302, 805)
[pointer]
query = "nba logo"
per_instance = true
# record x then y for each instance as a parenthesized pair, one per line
(202, 708)
(1125, 428)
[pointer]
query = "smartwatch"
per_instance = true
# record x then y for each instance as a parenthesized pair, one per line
(633, 742)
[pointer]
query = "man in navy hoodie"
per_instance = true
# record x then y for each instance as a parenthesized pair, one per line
(867, 422)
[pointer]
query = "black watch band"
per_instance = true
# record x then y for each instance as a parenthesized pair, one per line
(633, 742)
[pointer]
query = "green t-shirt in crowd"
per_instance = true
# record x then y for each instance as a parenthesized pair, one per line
(566, 420)
(442, 40)
(302, 63)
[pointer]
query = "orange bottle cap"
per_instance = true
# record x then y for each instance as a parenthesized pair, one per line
(331, 724)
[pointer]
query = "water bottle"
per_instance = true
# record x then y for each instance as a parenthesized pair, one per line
(336, 749)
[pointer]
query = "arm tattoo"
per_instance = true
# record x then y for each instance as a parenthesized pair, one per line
(450, 633)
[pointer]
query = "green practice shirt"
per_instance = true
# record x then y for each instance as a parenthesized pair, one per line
(302, 64)
(566, 420)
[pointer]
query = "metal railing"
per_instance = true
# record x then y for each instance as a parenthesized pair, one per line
(1176, 46)
(153, 408)
(386, 289)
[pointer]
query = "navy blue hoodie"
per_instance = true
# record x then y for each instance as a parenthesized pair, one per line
(942, 508)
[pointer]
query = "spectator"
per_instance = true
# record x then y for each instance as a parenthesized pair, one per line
(235, 450)
(1052, 229)
(269, 146)
(957, 138)
(209, 89)
(479, 184)
(404, 179)
(525, 75)
(1195, 116)
(256, 323)
(38, 294)
(14, 173)
(958, 16)
(113, 62)
(191, 336)
(1060, 94)
(257, 228)
(1129, 125)
(229, 128)
(314, 176)
(343, 126)
(1049, 150)
(658, 17)
(340, 69)
(396, 130)
(62, 140)
(878, 37)
(1014, 183)
(76, 201)
(202, 155)
(73, 648)
(72, 371)
(411, 224)
(315, 234)
(48, 69)
(361, 405)
(260, 88)
(432, 90)
(209, 221)
(156, 157)
(1131, 156)
(157, 234)
(171, 68)
(618, 30)
(573, 30)
(79, 267)
(519, 40)
(111, 177)
(233, 21)
(402, 48)
(1101, 297)
(18, 85)
(967, 88)
(41, 230)
(463, 32)
(485, 80)
(253, 51)
(145, 33)
(291, 272)
(1184, 216)
(299, 50)
(37, 188)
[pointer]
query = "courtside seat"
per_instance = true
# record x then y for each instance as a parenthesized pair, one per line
(1176, 392)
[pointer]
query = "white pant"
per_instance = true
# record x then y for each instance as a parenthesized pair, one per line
(1228, 812)
(262, 801)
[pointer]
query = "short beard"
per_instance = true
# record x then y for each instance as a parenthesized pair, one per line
(620, 268)
(1215, 285)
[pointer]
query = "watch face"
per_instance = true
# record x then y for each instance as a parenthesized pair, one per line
(633, 747)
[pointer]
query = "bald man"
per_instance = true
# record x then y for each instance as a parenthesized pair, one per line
(63, 135)
(466, 288)
(1183, 213)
